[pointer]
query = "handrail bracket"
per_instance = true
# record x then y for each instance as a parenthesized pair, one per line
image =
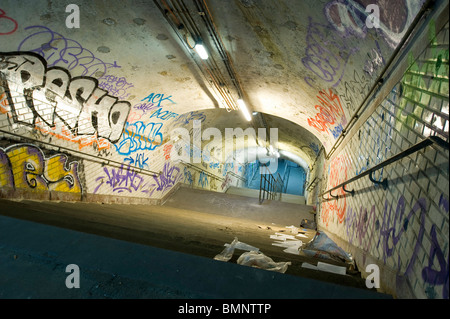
(383, 183)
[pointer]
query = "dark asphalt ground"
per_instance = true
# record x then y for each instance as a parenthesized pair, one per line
(138, 251)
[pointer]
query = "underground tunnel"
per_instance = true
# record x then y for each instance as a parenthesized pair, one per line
(202, 149)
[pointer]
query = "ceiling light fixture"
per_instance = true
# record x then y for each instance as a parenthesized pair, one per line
(244, 109)
(200, 49)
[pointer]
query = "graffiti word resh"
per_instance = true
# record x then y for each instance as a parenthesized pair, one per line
(378, 147)
(50, 94)
(7, 25)
(214, 165)
(331, 117)
(139, 136)
(157, 99)
(24, 166)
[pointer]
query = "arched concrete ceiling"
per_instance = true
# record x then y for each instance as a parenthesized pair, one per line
(286, 136)
(305, 65)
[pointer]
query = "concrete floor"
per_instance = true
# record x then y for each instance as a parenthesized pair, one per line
(39, 233)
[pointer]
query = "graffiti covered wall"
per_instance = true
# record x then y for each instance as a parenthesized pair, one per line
(404, 228)
(48, 107)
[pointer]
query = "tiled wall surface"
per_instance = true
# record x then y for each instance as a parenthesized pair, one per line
(405, 227)
(119, 159)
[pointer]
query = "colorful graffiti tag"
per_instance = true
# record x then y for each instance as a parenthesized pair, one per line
(363, 228)
(7, 24)
(139, 136)
(24, 166)
(337, 174)
(49, 96)
(331, 117)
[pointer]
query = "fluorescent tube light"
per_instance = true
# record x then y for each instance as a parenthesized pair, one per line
(244, 109)
(201, 51)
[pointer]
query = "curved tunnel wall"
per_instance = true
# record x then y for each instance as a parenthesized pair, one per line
(69, 138)
(403, 229)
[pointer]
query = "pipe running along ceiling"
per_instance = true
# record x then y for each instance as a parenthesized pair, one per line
(303, 67)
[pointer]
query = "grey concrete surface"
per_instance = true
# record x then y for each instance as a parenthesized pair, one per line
(240, 206)
(33, 260)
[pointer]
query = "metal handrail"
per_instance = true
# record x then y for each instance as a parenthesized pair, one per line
(269, 185)
(313, 183)
(417, 147)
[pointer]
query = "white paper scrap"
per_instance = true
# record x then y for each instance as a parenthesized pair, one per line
(243, 246)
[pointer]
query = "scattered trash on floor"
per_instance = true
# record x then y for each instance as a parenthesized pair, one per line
(309, 224)
(243, 246)
(253, 257)
(228, 251)
(282, 237)
(294, 230)
(259, 260)
(326, 267)
(290, 242)
(321, 246)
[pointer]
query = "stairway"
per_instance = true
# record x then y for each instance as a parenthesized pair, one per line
(232, 205)
(150, 251)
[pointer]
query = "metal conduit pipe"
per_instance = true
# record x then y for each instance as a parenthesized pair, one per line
(201, 5)
(177, 26)
(210, 65)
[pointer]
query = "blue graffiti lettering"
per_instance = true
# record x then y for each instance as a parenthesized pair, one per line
(139, 136)
(139, 160)
(336, 131)
(157, 99)
(186, 118)
(203, 179)
(214, 165)
(164, 115)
